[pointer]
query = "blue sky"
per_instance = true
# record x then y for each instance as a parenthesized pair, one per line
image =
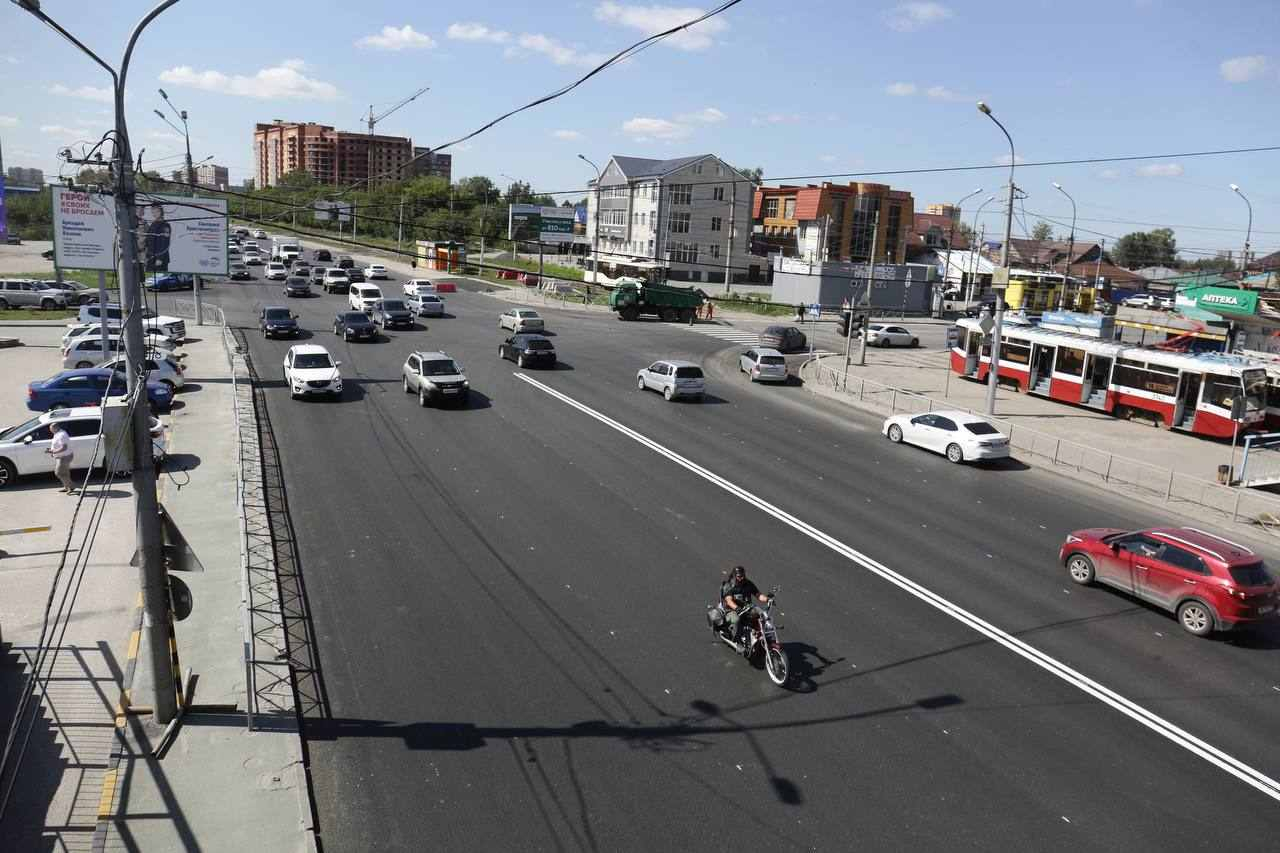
(824, 87)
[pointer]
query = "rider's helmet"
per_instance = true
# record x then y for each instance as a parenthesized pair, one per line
(739, 573)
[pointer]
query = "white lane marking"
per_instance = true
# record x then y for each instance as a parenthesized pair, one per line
(1152, 721)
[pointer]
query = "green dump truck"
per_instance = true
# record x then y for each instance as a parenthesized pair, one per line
(632, 297)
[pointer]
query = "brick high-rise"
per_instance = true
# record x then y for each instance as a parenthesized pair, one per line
(329, 156)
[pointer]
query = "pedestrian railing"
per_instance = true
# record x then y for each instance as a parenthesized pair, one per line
(1034, 447)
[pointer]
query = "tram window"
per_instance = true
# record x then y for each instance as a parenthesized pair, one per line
(1015, 351)
(1220, 391)
(1134, 374)
(1070, 361)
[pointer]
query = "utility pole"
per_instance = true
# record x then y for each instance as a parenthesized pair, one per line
(866, 299)
(153, 581)
(993, 373)
(400, 226)
(951, 236)
(1244, 258)
(595, 234)
(733, 228)
(1071, 248)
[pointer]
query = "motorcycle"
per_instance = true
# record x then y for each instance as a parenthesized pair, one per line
(761, 636)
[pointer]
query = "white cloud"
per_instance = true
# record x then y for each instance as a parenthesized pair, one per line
(900, 90)
(1109, 174)
(89, 93)
(165, 136)
(397, 38)
(11, 60)
(558, 53)
(708, 115)
(908, 17)
(828, 158)
(654, 128)
(1160, 170)
(655, 19)
(942, 93)
(567, 135)
(477, 32)
(1003, 160)
(63, 130)
(8, 121)
(1242, 69)
(283, 81)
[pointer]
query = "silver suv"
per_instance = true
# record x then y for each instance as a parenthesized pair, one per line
(24, 293)
(435, 377)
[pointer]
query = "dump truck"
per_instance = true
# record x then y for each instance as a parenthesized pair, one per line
(632, 297)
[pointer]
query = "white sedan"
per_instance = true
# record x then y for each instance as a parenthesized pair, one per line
(418, 286)
(959, 436)
(375, 271)
(309, 369)
(883, 335)
(520, 320)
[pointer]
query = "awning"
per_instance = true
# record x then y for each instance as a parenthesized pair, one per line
(1196, 313)
(1173, 330)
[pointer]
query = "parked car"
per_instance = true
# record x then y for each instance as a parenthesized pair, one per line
(1208, 582)
(76, 293)
(673, 379)
(310, 370)
(277, 321)
(354, 326)
(783, 338)
(426, 305)
(88, 351)
(297, 285)
(23, 447)
(362, 297)
(174, 328)
(355, 274)
(240, 271)
(86, 387)
(763, 364)
(276, 271)
(521, 320)
(155, 337)
(959, 436)
(435, 377)
(164, 369)
(392, 313)
(418, 286)
(23, 293)
(882, 335)
(323, 255)
(375, 271)
(528, 350)
(336, 281)
(346, 262)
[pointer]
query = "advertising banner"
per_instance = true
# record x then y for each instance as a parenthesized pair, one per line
(531, 223)
(329, 211)
(84, 230)
(182, 234)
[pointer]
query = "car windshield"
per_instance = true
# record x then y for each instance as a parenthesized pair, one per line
(688, 372)
(428, 299)
(13, 432)
(354, 317)
(441, 367)
(277, 313)
(1254, 574)
(538, 344)
(772, 359)
(311, 360)
(981, 428)
(775, 330)
(392, 305)
(532, 315)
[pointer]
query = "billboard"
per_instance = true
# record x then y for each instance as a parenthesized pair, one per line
(534, 224)
(328, 211)
(182, 234)
(84, 229)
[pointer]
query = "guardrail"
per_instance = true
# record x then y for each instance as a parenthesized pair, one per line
(1151, 481)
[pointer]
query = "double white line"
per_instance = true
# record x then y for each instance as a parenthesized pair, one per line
(1154, 722)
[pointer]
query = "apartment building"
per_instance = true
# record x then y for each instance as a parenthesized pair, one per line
(688, 216)
(436, 165)
(329, 156)
(207, 175)
(833, 222)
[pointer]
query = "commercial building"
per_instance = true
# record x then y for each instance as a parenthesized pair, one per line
(946, 211)
(831, 222)
(329, 156)
(906, 288)
(685, 219)
(435, 165)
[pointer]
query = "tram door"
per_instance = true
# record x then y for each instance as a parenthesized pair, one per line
(1188, 399)
(1041, 367)
(1097, 373)
(972, 346)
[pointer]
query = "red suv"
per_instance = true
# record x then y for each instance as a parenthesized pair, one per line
(1209, 582)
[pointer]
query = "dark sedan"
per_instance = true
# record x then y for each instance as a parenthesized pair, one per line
(277, 321)
(783, 338)
(323, 255)
(346, 262)
(240, 272)
(354, 326)
(392, 313)
(86, 386)
(528, 350)
(296, 285)
(355, 275)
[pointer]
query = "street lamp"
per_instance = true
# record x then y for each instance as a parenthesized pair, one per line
(191, 185)
(973, 272)
(1244, 261)
(1071, 247)
(595, 234)
(951, 235)
(511, 189)
(993, 373)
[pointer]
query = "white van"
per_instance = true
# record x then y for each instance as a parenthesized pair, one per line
(362, 297)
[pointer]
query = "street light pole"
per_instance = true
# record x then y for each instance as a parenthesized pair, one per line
(951, 236)
(595, 232)
(969, 288)
(196, 282)
(161, 692)
(1071, 248)
(993, 374)
(1244, 260)
(511, 190)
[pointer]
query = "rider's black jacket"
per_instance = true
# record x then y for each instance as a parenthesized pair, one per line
(743, 591)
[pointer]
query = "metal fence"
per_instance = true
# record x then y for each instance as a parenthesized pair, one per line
(1034, 447)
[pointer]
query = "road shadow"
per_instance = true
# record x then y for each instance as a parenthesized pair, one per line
(1007, 464)
(190, 387)
(1261, 637)
(181, 461)
(707, 399)
(806, 663)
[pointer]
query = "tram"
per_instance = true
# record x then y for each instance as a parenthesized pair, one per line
(1207, 394)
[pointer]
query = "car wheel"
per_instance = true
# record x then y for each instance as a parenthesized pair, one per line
(667, 394)
(80, 365)
(1081, 569)
(886, 343)
(422, 398)
(520, 361)
(8, 473)
(501, 354)
(168, 383)
(404, 383)
(4, 304)
(346, 336)
(954, 453)
(895, 433)
(1196, 618)
(48, 304)
(640, 383)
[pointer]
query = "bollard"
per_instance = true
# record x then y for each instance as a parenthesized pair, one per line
(1169, 490)
(1235, 511)
(893, 402)
(1056, 448)
(1106, 478)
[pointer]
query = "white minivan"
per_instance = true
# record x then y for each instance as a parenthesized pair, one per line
(362, 297)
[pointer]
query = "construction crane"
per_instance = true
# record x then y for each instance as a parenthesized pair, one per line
(373, 120)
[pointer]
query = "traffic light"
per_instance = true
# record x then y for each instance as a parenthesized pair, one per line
(842, 325)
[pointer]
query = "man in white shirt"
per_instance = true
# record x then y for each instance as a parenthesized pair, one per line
(60, 450)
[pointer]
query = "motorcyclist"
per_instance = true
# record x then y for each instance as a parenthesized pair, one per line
(739, 595)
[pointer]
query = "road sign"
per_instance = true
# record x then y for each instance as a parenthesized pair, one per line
(986, 322)
(815, 310)
(1000, 277)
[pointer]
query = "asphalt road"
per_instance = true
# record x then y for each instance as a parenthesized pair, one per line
(509, 600)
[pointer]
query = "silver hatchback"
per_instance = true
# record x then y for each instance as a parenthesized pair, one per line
(672, 379)
(763, 365)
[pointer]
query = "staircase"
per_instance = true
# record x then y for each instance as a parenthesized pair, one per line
(1097, 399)
(1041, 386)
(1187, 419)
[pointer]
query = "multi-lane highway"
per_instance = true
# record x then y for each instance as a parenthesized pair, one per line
(509, 602)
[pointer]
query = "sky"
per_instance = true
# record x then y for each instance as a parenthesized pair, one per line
(828, 87)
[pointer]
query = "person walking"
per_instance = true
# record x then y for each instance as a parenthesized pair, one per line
(60, 450)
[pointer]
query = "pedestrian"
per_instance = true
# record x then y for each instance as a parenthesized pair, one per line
(711, 310)
(60, 449)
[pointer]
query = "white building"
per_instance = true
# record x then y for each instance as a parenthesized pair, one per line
(690, 216)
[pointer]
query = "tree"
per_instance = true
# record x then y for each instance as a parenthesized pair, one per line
(297, 179)
(1212, 265)
(1146, 248)
(96, 177)
(1042, 231)
(477, 188)
(755, 176)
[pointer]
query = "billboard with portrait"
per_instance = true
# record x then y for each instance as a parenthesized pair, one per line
(181, 234)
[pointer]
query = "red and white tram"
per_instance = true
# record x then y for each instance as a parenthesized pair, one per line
(1197, 393)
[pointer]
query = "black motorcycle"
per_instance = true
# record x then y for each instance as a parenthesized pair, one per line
(760, 636)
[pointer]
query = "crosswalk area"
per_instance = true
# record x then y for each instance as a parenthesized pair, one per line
(739, 337)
